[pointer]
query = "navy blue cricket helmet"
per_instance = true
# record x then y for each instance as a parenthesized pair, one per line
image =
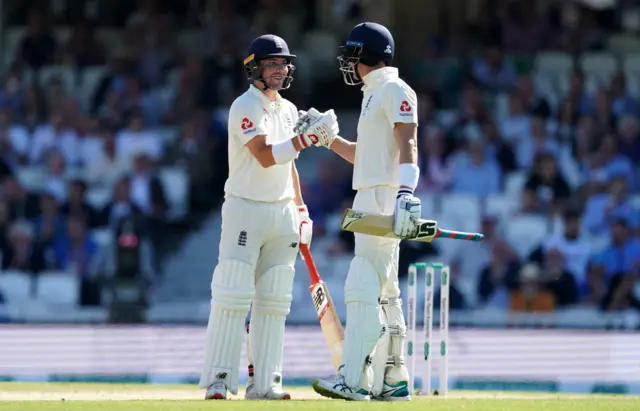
(368, 43)
(264, 47)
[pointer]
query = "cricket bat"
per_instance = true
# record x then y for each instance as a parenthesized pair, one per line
(382, 226)
(329, 320)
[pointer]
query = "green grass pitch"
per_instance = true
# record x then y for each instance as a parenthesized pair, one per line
(143, 397)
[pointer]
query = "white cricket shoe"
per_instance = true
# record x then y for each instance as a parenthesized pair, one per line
(394, 392)
(274, 393)
(216, 391)
(336, 387)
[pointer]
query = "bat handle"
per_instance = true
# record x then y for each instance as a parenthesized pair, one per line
(459, 235)
(311, 265)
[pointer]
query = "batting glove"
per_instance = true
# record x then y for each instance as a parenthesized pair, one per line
(407, 215)
(306, 226)
(321, 130)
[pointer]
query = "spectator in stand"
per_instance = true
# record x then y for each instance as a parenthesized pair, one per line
(531, 294)
(622, 254)
(517, 124)
(39, 45)
(602, 209)
(558, 280)
(14, 140)
(575, 250)
(607, 163)
(566, 122)
(578, 95)
(495, 72)
(434, 165)
(629, 142)
(534, 103)
(22, 204)
(50, 224)
(477, 162)
(77, 205)
(76, 252)
(56, 134)
(22, 252)
(499, 277)
(622, 104)
(536, 141)
(546, 190)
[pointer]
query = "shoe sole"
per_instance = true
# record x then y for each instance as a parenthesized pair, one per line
(391, 399)
(216, 396)
(328, 393)
(285, 397)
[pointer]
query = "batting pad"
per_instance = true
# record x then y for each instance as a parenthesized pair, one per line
(232, 290)
(390, 349)
(364, 327)
(266, 334)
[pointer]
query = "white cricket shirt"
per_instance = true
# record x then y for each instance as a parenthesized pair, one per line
(253, 114)
(387, 100)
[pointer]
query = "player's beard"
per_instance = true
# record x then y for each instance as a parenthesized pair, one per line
(276, 82)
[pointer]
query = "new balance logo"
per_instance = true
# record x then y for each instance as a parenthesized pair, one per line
(242, 238)
(318, 299)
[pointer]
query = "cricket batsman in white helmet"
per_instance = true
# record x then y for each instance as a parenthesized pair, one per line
(263, 221)
(385, 176)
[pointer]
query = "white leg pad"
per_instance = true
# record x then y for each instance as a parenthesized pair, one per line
(266, 335)
(364, 328)
(232, 290)
(390, 350)
(397, 329)
(379, 359)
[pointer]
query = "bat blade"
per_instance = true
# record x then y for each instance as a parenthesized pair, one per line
(325, 310)
(382, 226)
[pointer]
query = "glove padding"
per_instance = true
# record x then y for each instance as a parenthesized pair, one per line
(306, 225)
(317, 129)
(305, 118)
(407, 215)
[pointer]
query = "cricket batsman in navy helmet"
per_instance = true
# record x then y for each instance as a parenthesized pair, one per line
(264, 219)
(385, 174)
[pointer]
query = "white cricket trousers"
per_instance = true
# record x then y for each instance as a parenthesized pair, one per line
(260, 234)
(382, 253)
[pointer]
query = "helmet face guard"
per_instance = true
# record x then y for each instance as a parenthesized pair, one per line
(348, 59)
(254, 69)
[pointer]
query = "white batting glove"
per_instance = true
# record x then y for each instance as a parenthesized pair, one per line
(306, 225)
(407, 214)
(305, 118)
(321, 131)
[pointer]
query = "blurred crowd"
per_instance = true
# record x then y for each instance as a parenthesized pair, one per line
(162, 102)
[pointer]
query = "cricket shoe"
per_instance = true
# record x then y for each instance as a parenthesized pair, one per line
(216, 391)
(336, 387)
(274, 393)
(394, 392)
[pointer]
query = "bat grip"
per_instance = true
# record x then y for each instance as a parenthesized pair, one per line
(311, 265)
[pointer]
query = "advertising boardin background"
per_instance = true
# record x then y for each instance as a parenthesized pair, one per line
(523, 360)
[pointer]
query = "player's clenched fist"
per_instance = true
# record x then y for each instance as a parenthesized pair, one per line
(317, 129)
(408, 212)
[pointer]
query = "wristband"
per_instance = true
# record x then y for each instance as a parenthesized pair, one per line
(284, 152)
(408, 177)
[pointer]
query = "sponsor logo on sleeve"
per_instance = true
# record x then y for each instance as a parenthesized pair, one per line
(406, 109)
(247, 126)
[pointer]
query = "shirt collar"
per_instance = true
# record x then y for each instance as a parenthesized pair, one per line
(263, 98)
(379, 76)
